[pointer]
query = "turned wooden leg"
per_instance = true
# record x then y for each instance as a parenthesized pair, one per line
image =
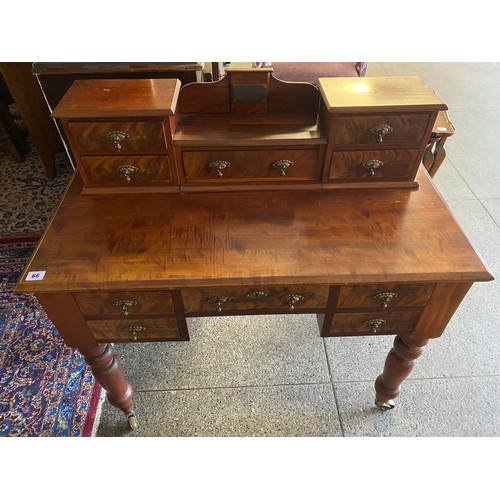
(398, 365)
(109, 372)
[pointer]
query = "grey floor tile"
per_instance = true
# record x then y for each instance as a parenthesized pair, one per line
(460, 407)
(450, 183)
(229, 352)
(493, 207)
(473, 150)
(299, 410)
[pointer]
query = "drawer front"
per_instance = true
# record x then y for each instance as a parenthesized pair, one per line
(373, 165)
(281, 298)
(126, 170)
(369, 323)
(368, 129)
(124, 304)
(134, 330)
(118, 136)
(276, 165)
(385, 296)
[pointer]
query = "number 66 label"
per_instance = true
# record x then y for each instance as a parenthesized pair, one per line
(35, 275)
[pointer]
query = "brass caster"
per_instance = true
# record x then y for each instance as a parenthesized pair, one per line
(384, 406)
(132, 420)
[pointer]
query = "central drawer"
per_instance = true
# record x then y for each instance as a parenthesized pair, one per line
(253, 165)
(134, 330)
(126, 170)
(124, 304)
(118, 136)
(394, 129)
(279, 299)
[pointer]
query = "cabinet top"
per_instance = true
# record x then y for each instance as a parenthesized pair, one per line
(378, 93)
(115, 98)
(162, 241)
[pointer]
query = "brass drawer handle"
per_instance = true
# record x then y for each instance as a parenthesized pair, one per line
(384, 298)
(381, 130)
(219, 166)
(291, 299)
(282, 165)
(256, 295)
(117, 136)
(372, 165)
(374, 324)
(124, 305)
(218, 301)
(127, 171)
(134, 330)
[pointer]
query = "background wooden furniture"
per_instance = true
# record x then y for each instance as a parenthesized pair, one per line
(34, 111)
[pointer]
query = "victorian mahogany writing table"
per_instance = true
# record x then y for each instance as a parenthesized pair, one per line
(137, 267)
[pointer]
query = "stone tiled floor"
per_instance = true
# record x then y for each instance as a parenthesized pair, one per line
(274, 375)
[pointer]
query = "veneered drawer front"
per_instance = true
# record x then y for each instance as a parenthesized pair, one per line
(124, 304)
(285, 298)
(362, 129)
(118, 136)
(126, 170)
(384, 296)
(370, 323)
(134, 330)
(373, 165)
(275, 165)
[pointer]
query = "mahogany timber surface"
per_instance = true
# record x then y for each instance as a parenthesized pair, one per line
(109, 98)
(159, 241)
(378, 93)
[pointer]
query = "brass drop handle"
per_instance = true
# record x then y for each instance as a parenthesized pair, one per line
(124, 305)
(219, 166)
(372, 165)
(127, 171)
(384, 298)
(282, 165)
(117, 137)
(218, 301)
(134, 330)
(381, 130)
(291, 299)
(374, 324)
(256, 295)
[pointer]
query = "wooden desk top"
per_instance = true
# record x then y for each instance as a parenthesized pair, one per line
(267, 237)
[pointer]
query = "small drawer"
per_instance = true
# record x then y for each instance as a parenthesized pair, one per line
(382, 129)
(134, 330)
(118, 136)
(126, 170)
(387, 296)
(280, 298)
(370, 323)
(373, 165)
(124, 304)
(251, 165)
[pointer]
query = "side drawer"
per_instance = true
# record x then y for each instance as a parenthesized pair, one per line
(134, 330)
(386, 296)
(373, 165)
(124, 304)
(369, 323)
(126, 170)
(399, 129)
(279, 298)
(118, 136)
(252, 165)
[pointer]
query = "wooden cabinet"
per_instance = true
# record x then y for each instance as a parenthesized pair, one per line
(255, 228)
(120, 133)
(378, 129)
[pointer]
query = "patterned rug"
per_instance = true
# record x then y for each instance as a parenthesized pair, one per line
(46, 388)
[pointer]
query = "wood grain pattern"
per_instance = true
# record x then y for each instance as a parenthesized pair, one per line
(268, 237)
